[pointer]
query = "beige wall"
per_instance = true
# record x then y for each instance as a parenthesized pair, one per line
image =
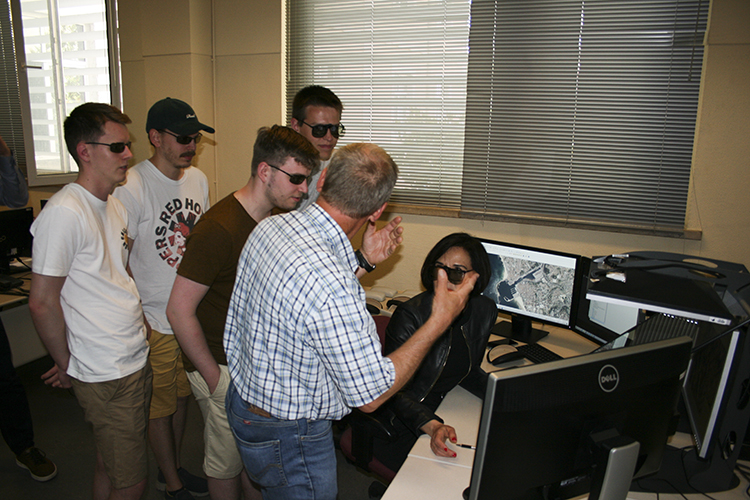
(167, 50)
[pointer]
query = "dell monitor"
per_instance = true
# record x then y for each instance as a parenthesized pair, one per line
(15, 237)
(532, 284)
(585, 424)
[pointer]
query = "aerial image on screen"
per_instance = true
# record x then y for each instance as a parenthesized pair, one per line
(533, 283)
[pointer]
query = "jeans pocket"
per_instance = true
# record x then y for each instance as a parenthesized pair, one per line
(263, 462)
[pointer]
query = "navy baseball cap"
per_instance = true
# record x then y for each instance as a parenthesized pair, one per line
(174, 115)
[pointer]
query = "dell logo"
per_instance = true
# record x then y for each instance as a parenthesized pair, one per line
(608, 378)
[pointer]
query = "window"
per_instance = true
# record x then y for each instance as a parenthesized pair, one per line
(66, 55)
(399, 67)
(567, 112)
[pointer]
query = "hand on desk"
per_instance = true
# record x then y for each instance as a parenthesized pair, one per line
(439, 434)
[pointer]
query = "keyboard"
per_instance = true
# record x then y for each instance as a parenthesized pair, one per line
(537, 353)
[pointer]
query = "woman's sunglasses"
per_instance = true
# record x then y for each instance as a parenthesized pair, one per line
(337, 130)
(455, 275)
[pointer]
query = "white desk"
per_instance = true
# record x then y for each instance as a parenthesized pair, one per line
(425, 476)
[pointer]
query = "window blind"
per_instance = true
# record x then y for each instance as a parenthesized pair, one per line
(11, 126)
(582, 110)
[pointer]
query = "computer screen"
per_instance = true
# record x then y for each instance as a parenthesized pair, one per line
(15, 237)
(532, 284)
(547, 430)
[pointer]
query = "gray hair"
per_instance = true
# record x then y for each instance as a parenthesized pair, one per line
(359, 180)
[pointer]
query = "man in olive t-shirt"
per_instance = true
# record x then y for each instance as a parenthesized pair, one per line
(282, 162)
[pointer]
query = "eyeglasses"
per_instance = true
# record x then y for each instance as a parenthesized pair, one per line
(455, 275)
(295, 179)
(115, 147)
(319, 131)
(184, 139)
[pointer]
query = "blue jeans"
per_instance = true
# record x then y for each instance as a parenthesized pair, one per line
(289, 459)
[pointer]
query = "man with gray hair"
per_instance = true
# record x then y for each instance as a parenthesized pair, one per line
(302, 349)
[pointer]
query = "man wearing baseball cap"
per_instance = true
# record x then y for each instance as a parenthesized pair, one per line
(165, 196)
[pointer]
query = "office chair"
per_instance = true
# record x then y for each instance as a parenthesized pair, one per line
(357, 440)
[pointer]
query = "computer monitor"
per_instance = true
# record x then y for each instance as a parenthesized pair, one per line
(560, 429)
(15, 237)
(532, 284)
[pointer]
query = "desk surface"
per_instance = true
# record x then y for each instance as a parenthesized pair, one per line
(425, 476)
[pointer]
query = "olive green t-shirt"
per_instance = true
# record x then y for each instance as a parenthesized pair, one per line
(211, 254)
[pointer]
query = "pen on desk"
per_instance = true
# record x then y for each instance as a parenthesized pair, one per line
(467, 446)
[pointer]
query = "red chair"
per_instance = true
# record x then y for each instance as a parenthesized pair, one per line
(356, 441)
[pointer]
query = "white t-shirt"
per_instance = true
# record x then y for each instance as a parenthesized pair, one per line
(161, 214)
(83, 238)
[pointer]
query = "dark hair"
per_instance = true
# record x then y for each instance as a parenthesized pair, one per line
(359, 179)
(86, 123)
(314, 95)
(480, 262)
(275, 144)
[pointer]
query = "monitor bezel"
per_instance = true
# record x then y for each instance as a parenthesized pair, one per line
(576, 292)
(14, 221)
(657, 349)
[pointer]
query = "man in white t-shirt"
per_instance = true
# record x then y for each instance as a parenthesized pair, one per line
(85, 306)
(165, 196)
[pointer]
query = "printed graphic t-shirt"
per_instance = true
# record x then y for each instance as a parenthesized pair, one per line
(161, 214)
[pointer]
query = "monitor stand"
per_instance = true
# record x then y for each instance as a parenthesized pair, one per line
(520, 329)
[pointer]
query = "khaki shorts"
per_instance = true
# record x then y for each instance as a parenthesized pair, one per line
(118, 412)
(170, 381)
(222, 459)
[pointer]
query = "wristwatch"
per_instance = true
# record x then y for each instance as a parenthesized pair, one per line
(363, 262)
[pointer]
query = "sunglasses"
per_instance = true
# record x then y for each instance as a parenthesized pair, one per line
(184, 139)
(115, 147)
(455, 275)
(295, 179)
(319, 131)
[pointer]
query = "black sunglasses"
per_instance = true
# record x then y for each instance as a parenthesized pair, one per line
(295, 179)
(337, 130)
(184, 139)
(455, 275)
(115, 147)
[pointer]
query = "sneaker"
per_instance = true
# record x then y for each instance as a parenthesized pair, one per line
(181, 494)
(36, 462)
(197, 486)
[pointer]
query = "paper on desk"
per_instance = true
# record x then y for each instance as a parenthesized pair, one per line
(421, 449)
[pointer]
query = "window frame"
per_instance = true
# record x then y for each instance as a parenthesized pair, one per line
(115, 82)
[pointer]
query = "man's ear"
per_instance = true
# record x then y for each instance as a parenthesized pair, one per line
(295, 124)
(263, 172)
(82, 149)
(375, 216)
(154, 137)
(321, 180)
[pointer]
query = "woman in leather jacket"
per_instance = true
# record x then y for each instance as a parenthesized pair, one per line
(454, 359)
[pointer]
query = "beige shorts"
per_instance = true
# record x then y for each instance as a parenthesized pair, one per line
(222, 460)
(170, 381)
(118, 412)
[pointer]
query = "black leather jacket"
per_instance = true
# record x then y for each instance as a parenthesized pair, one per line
(475, 323)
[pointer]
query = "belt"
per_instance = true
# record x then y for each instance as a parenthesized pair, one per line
(258, 411)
